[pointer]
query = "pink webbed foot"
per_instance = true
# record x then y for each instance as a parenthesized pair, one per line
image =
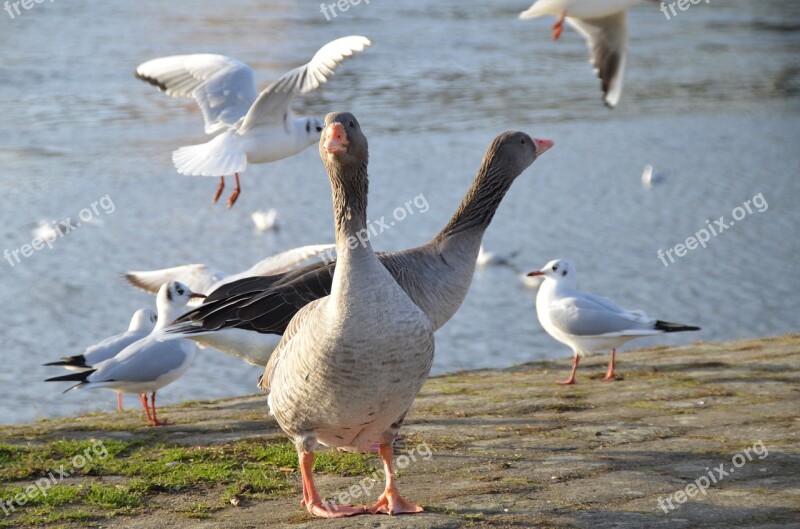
(392, 503)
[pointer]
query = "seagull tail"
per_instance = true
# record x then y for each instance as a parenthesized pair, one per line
(666, 326)
(80, 376)
(221, 156)
(70, 361)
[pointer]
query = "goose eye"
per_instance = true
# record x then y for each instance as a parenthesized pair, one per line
(522, 141)
(319, 129)
(352, 124)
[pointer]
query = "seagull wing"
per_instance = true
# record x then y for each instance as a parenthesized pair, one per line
(607, 38)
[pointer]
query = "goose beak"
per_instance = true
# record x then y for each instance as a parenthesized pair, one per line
(336, 139)
(542, 145)
(536, 273)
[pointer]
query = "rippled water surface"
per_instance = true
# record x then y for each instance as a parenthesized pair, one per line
(711, 100)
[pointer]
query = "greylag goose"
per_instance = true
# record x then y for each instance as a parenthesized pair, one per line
(350, 364)
(142, 324)
(603, 24)
(254, 128)
(588, 323)
(204, 279)
(241, 317)
(147, 365)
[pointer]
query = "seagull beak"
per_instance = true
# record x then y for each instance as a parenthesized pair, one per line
(197, 296)
(336, 139)
(536, 273)
(542, 145)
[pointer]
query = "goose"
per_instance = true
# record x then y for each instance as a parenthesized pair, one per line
(240, 318)
(351, 363)
(252, 127)
(142, 324)
(204, 279)
(148, 364)
(588, 323)
(603, 23)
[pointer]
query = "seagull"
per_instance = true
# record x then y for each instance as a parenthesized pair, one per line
(603, 24)
(589, 323)
(142, 324)
(252, 127)
(492, 259)
(148, 364)
(203, 279)
(265, 220)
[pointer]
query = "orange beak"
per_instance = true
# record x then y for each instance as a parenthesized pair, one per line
(336, 139)
(542, 145)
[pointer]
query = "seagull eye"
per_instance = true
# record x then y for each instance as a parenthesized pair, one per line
(180, 291)
(564, 273)
(555, 268)
(308, 127)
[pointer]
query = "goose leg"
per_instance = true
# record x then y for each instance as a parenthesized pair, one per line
(219, 189)
(235, 194)
(610, 373)
(571, 379)
(143, 397)
(390, 501)
(311, 499)
(558, 27)
(155, 421)
(119, 402)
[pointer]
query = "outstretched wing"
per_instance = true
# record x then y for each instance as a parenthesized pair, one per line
(223, 87)
(607, 38)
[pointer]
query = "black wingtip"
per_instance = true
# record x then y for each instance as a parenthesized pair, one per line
(72, 377)
(155, 82)
(674, 327)
(70, 361)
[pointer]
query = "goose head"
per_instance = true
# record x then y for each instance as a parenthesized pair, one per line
(343, 145)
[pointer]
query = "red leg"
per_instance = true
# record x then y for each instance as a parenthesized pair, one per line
(143, 397)
(610, 373)
(558, 27)
(156, 422)
(236, 191)
(390, 501)
(311, 499)
(119, 402)
(219, 189)
(571, 379)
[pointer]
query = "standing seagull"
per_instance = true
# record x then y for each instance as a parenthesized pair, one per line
(147, 365)
(142, 324)
(350, 364)
(603, 24)
(256, 128)
(589, 323)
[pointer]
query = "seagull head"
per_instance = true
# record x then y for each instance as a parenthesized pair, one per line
(143, 319)
(314, 128)
(560, 270)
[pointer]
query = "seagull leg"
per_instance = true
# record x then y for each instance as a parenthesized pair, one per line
(311, 499)
(219, 189)
(571, 379)
(143, 397)
(235, 194)
(610, 373)
(156, 422)
(119, 402)
(558, 27)
(390, 501)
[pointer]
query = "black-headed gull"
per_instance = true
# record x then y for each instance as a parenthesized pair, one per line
(204, 279)
(142, 324)
(588, 323)
(255, 128)
(265, 220)
(603, 24)
(147, 365)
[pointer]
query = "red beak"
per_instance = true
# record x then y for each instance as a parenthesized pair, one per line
(536, 273)
(336, 139)
(542, 145)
